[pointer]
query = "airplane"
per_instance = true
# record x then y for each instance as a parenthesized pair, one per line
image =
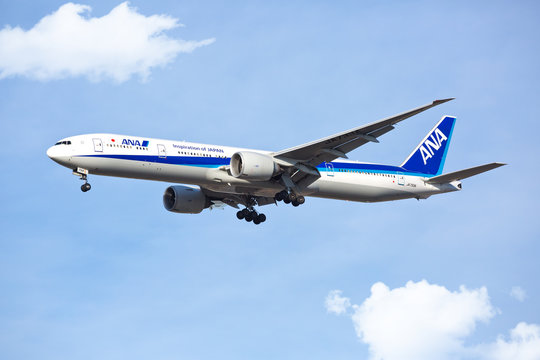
(222, 175)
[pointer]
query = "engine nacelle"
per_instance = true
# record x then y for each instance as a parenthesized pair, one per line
(253, 166)
(185, 199)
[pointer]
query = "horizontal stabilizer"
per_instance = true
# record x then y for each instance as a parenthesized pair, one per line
(463, 174)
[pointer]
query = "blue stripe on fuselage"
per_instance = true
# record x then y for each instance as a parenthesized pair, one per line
(212, 162)
(369, 168)
(173, 160)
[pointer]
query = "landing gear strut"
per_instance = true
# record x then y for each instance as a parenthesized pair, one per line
(83, 175)
(251, 215)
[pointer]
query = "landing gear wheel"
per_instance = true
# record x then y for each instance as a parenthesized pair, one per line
(250, 216)
(295, 203)
(85, 187)
(256, 220)
(240, 215)
(292, 197)
(282, 195)
(261, 218)
(300, 200)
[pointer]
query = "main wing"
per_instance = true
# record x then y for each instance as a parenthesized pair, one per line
(307, 156)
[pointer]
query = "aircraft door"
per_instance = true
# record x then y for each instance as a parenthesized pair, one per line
(98, 145)
(400, 179)
(162, 152)
(329, 169)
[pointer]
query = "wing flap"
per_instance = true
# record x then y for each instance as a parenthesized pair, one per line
(351, 145)
(463, 174)
(236, 199)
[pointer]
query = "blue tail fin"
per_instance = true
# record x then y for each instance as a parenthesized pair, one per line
(429, 155)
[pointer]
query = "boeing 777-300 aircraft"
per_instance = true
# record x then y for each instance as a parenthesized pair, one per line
(249, 178)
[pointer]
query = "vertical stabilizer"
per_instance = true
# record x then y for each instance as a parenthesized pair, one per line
(430, 154)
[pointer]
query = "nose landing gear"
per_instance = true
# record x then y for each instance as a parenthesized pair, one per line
(83, 175)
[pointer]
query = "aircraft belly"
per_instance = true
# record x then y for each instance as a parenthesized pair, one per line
(363, 192)
(211, 178)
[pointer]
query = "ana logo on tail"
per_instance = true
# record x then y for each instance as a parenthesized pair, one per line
(432, 144)
(428, 157)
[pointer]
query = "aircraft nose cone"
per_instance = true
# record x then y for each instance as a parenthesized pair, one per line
(50, 152)
(60, 155)
(56, 154)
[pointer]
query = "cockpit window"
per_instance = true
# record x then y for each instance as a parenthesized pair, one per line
(63, 143)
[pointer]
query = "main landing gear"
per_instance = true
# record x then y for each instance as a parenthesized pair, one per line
(290, 198)
(83, 175)
(251, 215)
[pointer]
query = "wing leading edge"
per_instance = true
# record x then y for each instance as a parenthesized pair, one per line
(332, 147)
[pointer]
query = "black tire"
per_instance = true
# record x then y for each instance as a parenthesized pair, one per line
(245, 212)
(287, 200)
(300, 200)
(261, 218)
(256, 221)
(278, 196)
(240, 215)
(249, 217)
(295, 203)
(292, 197)
(85, 187)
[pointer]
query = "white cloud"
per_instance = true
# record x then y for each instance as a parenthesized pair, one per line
(337, 304)
(524, 344)
(518, 293)
(426, 321)
(420, 320)
(67, 43)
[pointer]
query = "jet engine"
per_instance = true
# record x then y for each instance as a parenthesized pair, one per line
(185, 199)
(253, 166)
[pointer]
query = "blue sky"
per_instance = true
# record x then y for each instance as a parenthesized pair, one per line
(111, 274)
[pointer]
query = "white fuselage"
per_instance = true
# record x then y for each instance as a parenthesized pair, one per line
(207, 166)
